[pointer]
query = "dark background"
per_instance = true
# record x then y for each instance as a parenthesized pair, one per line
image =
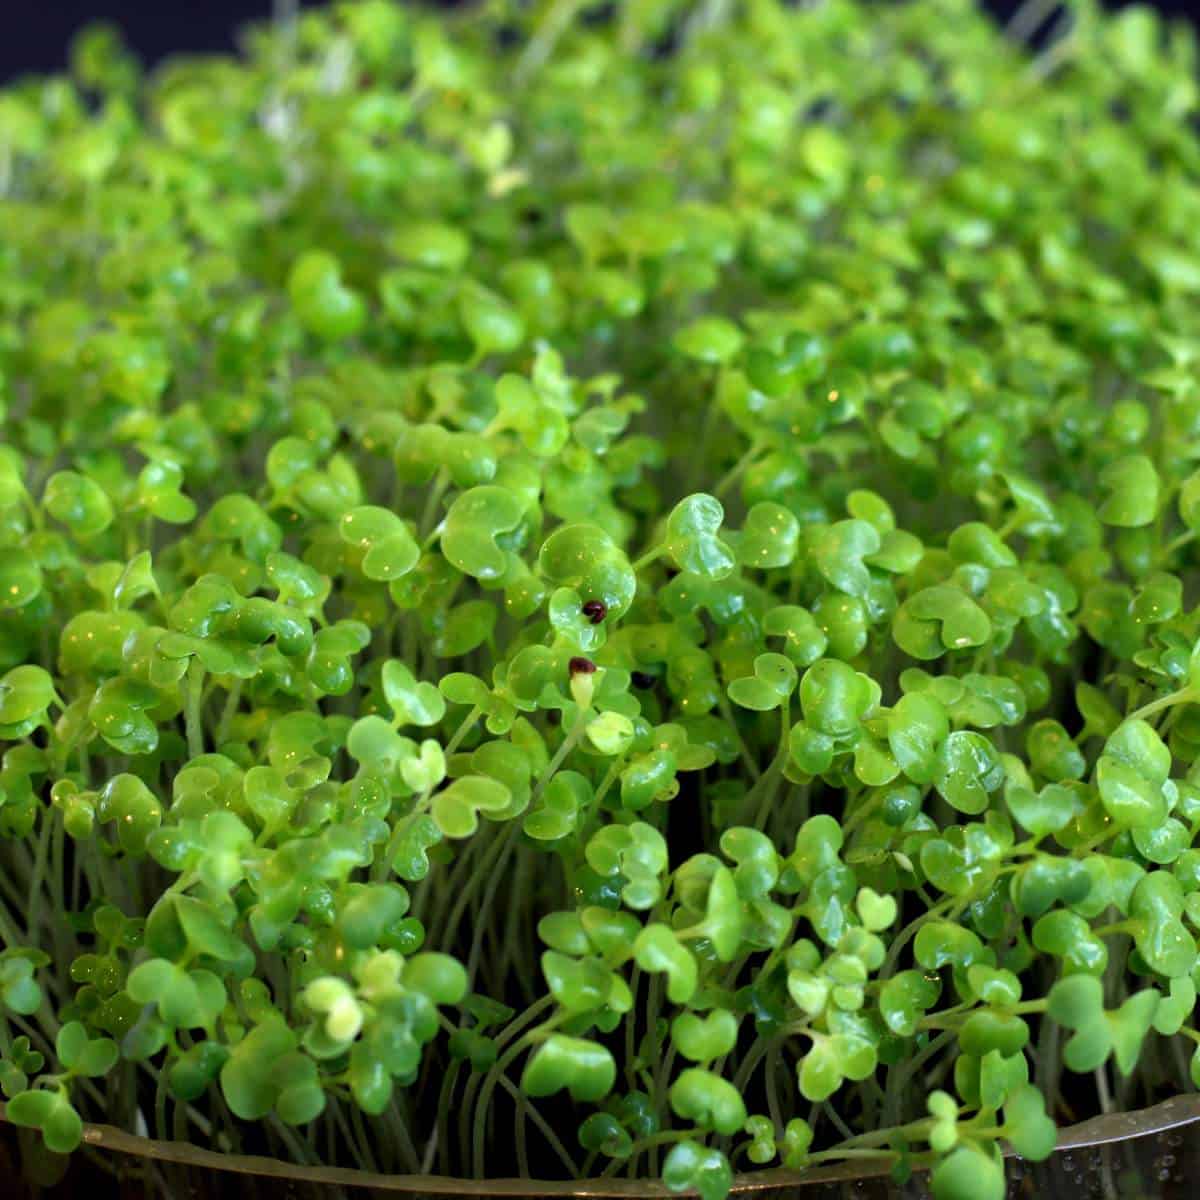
(36, 32)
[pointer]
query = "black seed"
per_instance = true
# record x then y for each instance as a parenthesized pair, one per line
(595, 611)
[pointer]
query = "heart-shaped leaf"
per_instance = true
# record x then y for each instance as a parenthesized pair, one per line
(708, 1100)
(692, 542)
(704, 1038)
(584, 1068)
(769, 538)
(773, 681)
(658, 950)
(693, 1167)
(473, 526)
(456, 809)
(839, 550)
(938, 619)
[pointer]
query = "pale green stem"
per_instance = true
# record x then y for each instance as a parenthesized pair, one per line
(191, 713)
(228, 713)
(1182, 696)
(568, 744)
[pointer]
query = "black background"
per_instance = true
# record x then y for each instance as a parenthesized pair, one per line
(36, 32)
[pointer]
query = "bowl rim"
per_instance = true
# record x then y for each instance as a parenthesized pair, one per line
(1096, 1131)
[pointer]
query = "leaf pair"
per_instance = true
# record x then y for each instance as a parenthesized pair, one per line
(1077, 1003)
